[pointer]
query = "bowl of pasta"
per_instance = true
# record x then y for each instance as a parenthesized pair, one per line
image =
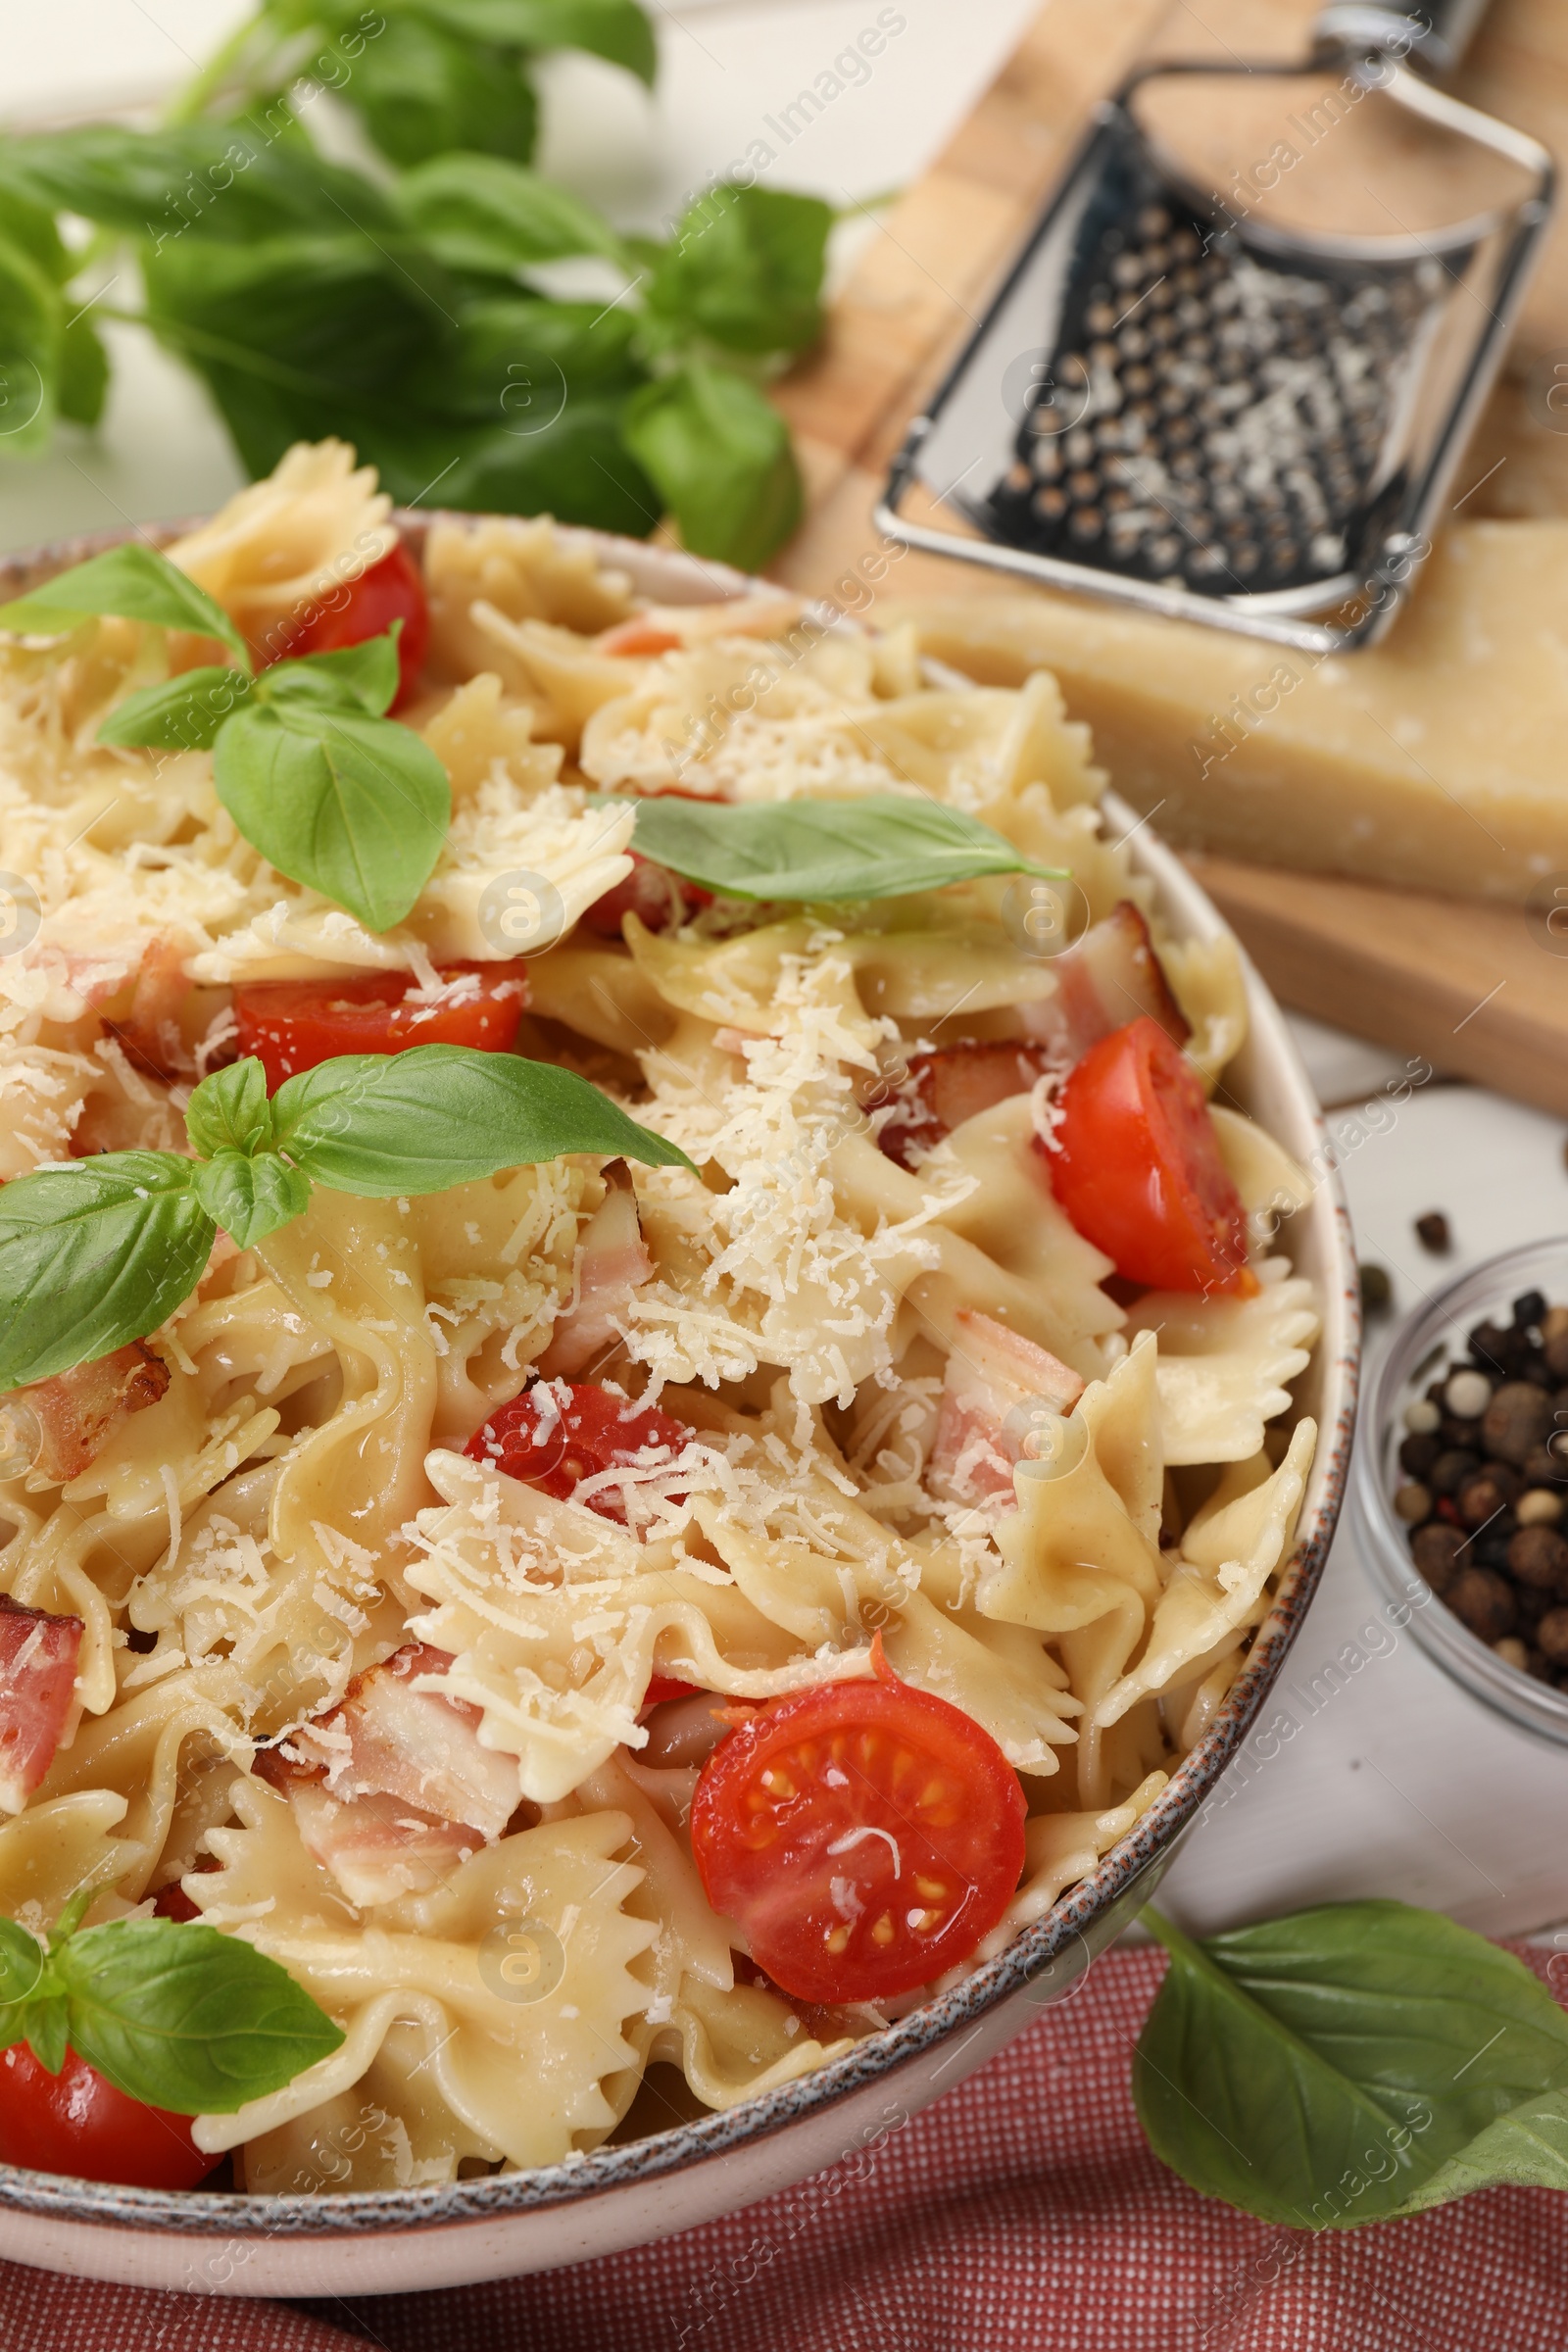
(676, 1354)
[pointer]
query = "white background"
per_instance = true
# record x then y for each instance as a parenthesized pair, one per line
(1399, 1784)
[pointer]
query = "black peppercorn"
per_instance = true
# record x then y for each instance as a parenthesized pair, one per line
(1453, 1467)
(1436, 1549)
(1418, 1453)
(1516, 1421)
(1529, 1309)
(1538, 1556)
(1432, 1231)
(1484, 1602)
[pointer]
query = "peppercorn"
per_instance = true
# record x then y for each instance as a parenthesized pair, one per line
(1491, 1491)
(1467, 1395)
(1421, 1417)
(1491, 1345)
(1417, 1453)
(1517, 1420)
(1554, 1339)
(1437, 1552)
(1538, 1506)
(1530, 1310)
(1538, 1556)
(1377, 1291)
(1489, 1548)
(1484, 1602)
(1552, 1637)
(1512, 1651)
(1533, 1605)
(1432, 1231)
(1453, 1467)
(1544, 1466)
(1413, 1502)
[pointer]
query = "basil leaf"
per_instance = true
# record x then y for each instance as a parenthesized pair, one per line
(719, 456)
(249, 181)
(420, 90)
(94, 1254)
(32, 324)
(1525, 2148)
(250, 1197)
(135, 582)
(530, 364)
(744, 270)
(83, 372)
(616, 30)
(230, 1111)
(21, 1964)
(575, 467)
(356, 808)
(182, 714)
(485, 213)
(1319, 2070)
(420, 1121)
(184, 2018)
(355, 679)
(47, 2031)
(821, 850)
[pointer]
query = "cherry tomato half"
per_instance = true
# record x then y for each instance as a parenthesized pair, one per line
(391, 590)
(294, 1024)
(1137, 1166)
(659, 898)
(864, 1836)
(75, 2121)
(559, 1432)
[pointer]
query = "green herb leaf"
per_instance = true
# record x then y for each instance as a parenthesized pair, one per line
(83, 372)
(422, 90)
(744, 270)
(1525, 2148)
(719, 456)
(182, 714)
(823, 851)
(135, 582)
(184, 2018)
(355, 678)
(356, 808)
(483, 213)
(207, 183)
(616, 29)
(420, 1121)
(31, 325)
(94, 1254)
(230, 1111)
(47, 2030)
(21, 1964)
(1321, 2069)
(251, 1196)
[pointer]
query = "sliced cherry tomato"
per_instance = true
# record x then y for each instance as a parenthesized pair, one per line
(391, 590)
(864, 1836)
(1137, 1166)
(659, 898)
(662, 1686)
(75, 2121)
(294, 1024)
(559, 1432)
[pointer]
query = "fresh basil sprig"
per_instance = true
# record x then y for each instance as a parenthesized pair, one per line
(98, 1253)
(882, 847)
(1352, 2062)
(174, 2014)
(333, 793)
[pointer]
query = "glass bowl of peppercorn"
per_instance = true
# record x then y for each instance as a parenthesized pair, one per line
(1461, 1482)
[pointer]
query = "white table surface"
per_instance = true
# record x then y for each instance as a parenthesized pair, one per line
(1400, 1784)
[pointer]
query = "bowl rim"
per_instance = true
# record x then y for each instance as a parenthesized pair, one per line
(1043, 1957)
(1508, 1691)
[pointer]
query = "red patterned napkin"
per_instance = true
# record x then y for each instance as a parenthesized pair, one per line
(1021, 2214)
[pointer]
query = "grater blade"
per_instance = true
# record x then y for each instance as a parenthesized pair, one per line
(1171, 406)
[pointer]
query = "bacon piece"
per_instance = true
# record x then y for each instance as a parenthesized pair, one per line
(71, 1418)
(993, 1392)
(38, 1656)
(613, 1264)
(955, 1083)
(392, 1789)
(1103, 981)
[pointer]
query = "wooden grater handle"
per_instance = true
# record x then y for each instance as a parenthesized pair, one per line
(1433, 36)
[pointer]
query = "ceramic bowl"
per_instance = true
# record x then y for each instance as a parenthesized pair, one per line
(383, 2242)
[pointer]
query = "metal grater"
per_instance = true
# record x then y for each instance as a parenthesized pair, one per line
(1212, 416)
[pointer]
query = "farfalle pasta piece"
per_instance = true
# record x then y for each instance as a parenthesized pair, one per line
(1224, 1363)
(291, 541)
(522, 567)
(1229, 1551)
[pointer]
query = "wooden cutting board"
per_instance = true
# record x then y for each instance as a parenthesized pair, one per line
(1468, 985)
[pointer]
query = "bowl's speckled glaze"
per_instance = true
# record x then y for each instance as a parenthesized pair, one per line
(395, 2242)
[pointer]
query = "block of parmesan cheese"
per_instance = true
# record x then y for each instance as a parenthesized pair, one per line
(1439, 759)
